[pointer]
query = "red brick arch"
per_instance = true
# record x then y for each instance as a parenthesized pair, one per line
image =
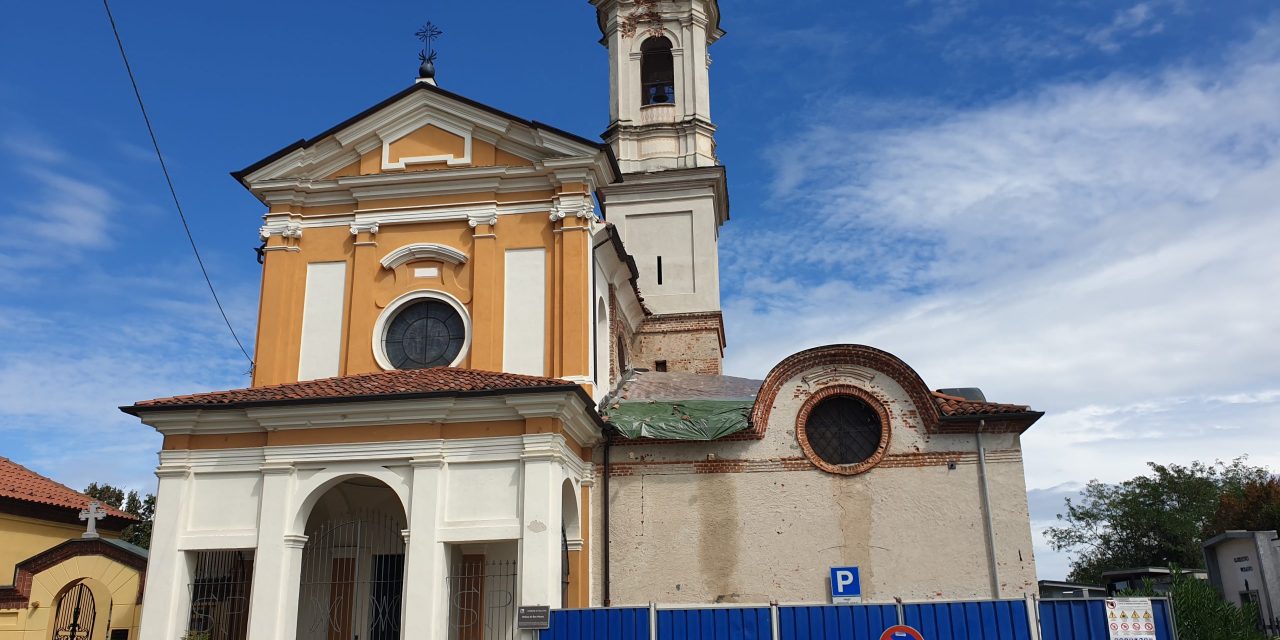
(837, 355)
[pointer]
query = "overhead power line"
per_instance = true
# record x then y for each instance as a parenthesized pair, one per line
(169, 180)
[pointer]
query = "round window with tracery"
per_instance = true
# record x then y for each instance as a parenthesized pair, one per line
(426, 333)
(843, 430)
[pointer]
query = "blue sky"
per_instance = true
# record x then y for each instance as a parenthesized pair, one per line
(1070, 204)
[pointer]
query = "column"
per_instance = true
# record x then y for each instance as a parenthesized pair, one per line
(540, 521)
(277, 562)
(424, 610)
(486, 274)
(364, 272)
(168, 569)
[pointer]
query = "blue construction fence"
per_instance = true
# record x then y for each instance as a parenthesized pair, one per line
(1076, 619)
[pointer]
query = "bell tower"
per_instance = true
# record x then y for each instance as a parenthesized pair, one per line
(659, 98)
(673, 197)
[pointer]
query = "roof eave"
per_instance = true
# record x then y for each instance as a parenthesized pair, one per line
(137, 411)
(1024, 420)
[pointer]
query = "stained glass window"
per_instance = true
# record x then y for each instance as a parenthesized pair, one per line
(428, 333)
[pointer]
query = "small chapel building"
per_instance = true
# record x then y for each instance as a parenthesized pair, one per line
(489, 374)
(72, 577)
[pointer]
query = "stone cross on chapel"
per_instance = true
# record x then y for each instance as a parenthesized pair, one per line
(92, 515)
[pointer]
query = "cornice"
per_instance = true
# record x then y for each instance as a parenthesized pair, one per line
(565, 406)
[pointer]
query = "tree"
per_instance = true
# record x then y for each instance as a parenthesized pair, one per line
(1254, 507)
(106, 494)
(1151, 520)
(138, 533)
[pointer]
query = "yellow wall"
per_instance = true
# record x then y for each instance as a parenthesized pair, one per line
(115, 594)
(477, 283)
(21, 538)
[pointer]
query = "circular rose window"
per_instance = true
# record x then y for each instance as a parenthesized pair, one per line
(426, 333)
(843, 430)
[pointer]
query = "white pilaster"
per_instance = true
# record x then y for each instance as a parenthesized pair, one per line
(275, 567)
(168, 569)
(540, 521)
(425, 611)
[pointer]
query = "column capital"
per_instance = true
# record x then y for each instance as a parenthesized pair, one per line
(433, 460)
(489, 218)
(163, 472)
(276, 469)
(295, 541)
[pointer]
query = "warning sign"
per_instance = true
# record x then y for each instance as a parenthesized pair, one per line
(1130, 619)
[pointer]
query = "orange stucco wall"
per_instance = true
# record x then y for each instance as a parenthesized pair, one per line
(477, 283)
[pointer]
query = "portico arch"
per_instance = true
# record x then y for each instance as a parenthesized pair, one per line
(572, 568)
(351, 581)
(311, 490)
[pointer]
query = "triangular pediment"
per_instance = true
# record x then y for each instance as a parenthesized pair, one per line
(423, 128)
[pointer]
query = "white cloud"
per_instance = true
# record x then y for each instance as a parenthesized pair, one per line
(51, 204)
(1099, 250)
(1134, 22)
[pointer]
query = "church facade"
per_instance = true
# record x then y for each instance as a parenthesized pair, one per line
(488, 374)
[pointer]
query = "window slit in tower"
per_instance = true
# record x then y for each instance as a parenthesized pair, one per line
(659, 269)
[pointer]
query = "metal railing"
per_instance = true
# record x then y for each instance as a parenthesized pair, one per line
(220, 589)
(482, 599)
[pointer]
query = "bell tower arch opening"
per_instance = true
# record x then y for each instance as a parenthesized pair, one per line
(657, 72)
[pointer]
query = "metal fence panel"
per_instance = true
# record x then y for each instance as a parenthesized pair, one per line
(1087, 619)
(631, 623)
(986, 620)
(836, 622)
(721, 623)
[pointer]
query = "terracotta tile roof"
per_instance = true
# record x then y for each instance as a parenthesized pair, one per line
(443, 381)
(20, 483)
(956, 406)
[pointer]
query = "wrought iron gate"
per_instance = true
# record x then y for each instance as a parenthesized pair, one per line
(352, 580)
(74, 617)
(482, 598)
(220, 590)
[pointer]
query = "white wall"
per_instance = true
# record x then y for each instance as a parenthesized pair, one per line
(682, 227)
(525, 312)
(322, 307)
(483, 489)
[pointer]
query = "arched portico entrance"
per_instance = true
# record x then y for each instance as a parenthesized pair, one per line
(352, 577)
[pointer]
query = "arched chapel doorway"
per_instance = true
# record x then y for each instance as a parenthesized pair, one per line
(352, 577)
(75, 613)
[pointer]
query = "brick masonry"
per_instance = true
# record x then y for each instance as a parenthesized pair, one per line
(798, 463)
(689, 342)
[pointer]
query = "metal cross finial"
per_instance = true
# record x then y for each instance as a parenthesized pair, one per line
(428, 34)
(92, 515)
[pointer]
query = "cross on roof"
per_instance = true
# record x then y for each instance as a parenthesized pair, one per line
(92, 515)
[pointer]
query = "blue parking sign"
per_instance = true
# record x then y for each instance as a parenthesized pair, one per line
(845, 584)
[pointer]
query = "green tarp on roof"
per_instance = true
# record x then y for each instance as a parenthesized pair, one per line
(694, 419)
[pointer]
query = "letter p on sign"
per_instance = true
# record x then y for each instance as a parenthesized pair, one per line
(845, 585)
